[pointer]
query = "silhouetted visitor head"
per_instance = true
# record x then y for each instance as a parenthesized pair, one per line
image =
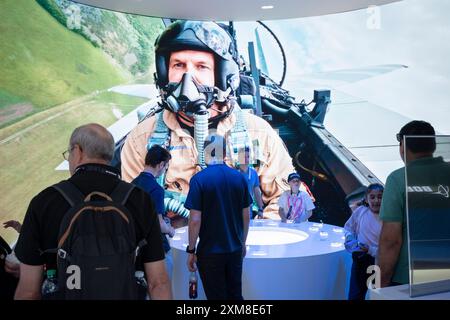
(158, 158)
(416, 145)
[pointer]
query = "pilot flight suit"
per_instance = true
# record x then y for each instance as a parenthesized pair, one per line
(276, 163)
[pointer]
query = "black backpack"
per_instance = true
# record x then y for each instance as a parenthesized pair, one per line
(97, 245)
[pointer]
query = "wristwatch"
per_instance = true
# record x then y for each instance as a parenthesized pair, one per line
(191, 251)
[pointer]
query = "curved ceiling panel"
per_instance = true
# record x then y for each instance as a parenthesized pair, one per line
(235, 10)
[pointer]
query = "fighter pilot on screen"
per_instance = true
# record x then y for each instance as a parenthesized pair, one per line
(197, 74)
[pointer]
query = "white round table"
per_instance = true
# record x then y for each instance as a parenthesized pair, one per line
(284, 261)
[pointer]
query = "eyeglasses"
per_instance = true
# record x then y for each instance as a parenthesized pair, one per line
(66, 153)
(295, 181)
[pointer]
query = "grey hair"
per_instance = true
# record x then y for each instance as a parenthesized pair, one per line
(95, 140)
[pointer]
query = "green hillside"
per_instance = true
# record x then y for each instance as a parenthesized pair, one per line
(31, 149)
(43, 64)
(129, 39)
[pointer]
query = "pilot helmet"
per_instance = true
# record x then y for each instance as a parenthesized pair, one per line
(202, 36)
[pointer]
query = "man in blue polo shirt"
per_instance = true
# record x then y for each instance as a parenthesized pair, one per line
(156, 163)
(219, 203)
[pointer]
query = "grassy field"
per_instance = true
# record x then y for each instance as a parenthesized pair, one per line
(44, 64)
(31, 149)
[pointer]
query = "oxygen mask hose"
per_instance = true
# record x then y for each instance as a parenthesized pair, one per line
(200, 133)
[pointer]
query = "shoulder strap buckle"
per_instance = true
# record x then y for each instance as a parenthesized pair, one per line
(62, 253)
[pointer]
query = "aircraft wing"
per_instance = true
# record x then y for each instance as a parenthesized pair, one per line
(234, 10)
(368, 131)
(148, 91)
(335, 78)
(365, 129)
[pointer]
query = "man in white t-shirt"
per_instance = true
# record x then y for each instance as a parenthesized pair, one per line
(295, 204)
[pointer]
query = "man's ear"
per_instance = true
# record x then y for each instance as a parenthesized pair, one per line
(402, 152)
(78, 154)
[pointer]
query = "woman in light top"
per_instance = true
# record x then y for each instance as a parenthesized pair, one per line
(362, 233)
(295, 204)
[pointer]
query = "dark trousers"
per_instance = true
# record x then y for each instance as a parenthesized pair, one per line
(221, 275)
(359, 275)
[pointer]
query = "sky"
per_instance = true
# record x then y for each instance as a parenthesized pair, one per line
(415, 33)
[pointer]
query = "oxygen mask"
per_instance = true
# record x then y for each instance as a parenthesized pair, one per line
(189, 96)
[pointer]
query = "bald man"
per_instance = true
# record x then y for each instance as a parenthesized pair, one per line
(89, 153)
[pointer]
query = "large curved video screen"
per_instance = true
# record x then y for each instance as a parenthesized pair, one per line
(63, 64)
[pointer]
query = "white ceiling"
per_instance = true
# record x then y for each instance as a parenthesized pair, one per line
(235, 10)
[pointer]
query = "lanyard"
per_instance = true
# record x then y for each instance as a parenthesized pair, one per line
(97, 168)
(296, 207)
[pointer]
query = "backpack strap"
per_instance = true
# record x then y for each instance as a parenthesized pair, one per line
(73, 196)
(70, 193)
(121, 194)
(122, 191)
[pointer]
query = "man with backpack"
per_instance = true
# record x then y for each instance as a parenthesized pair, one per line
(90, 228)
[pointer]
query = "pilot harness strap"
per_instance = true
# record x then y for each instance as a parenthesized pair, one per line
(239, 140)
(160, 137)
(161, 134)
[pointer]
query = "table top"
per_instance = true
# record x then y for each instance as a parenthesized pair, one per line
(275, 239)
